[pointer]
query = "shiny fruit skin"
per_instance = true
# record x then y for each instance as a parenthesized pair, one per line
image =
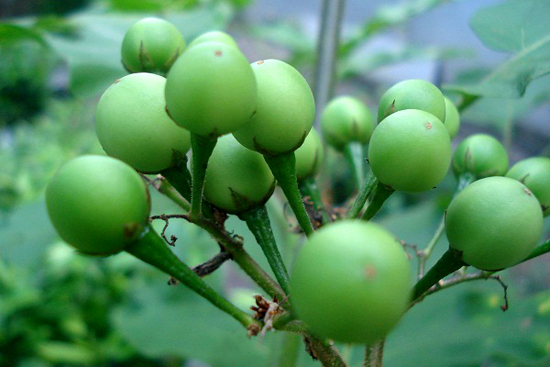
(151, 45)
(214, 36)
(237, 179)
(481, 155)
(346, 119)
(410, 151)
(534, 173)
(97, 204)
(309, 156)
(285, 111)
(351, 282)
(494, 222)
(211, 90)
(133, 126)
(412, 94)
(452, 118)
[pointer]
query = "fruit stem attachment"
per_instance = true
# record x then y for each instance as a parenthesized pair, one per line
(376, 200)
(283, 167)
(447, 264)
(153, 250)
(257, 220)
(374, 354)
(366, 190)
(309, 187)
(202, 148)
(355, 155)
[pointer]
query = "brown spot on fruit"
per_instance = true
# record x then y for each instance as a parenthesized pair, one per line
(116, 81)
(528, 192)
(428, 125)
(218, 53)
(260, 62)
(370, 272)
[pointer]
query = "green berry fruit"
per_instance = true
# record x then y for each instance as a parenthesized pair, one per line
(309, 156)
(133, 126)
(285, 111)
(410, 151)
(211, 90)
(481, 155)
(345, 120)
(351, 282)
(237, 179)
(494, 223)
(98, 204)
(452, 118)
(412, 94)
(214, 36)
(151, 45)
(534, 173)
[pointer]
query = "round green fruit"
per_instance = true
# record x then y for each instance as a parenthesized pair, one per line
(211, 90)
(481, 155)
(412, 94)
(214, 36)
(151, 45)
(98, 204)
(309, 156)
(410, 151)
(534, 173)
(133, 126)
(285, 111)
(345, 120)
(494, 223)
(452, 118)
(237, 179)
(351, 282)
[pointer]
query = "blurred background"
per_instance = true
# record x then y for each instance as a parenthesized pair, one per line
(58, 308)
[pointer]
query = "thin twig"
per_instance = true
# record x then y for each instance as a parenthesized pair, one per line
(210, 266)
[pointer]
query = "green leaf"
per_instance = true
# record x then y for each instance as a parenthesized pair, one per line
(520, 27)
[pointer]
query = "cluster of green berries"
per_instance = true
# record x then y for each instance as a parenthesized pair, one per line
(352, 280)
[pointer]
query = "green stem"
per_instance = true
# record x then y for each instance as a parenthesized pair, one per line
(309, 188)
(288, 356)
(446, 265)
(170, 192)
(283, 167)
(257, 221)
(381, 194)
(202, 150)
(152, 249)
(541, 249)
(355, 156)
(368, 187)
(374, 354)
(325, 352)
(241, 257)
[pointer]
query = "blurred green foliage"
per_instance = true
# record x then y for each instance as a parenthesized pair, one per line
(60, 308)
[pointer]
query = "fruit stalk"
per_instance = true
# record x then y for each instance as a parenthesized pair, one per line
(380, 195)
(202, 150)
(366, 190)
(152, 249)
(310, 188)
(447, 264)
(355, 155)
(374, 354)
(257, 220)
(283, 167)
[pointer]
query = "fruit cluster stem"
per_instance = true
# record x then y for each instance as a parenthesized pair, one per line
(355, 155)
(202, 149)
(257, 220)
(366, 190)
(283, 167)
(309, 187)
(374, 354)
(152, 249)
(376, 200)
